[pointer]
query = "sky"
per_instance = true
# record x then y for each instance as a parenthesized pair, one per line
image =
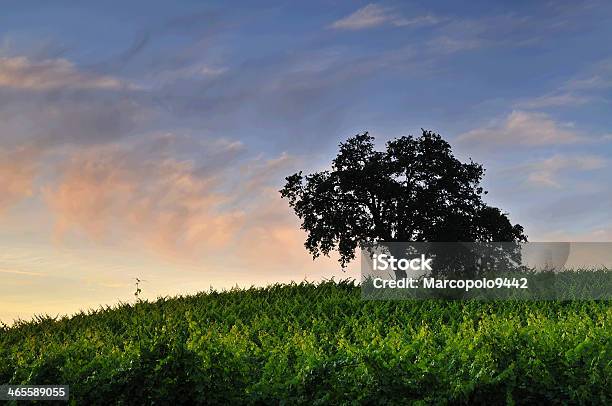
(149, 139)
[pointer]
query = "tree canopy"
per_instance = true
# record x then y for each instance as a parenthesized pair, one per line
(415, 190)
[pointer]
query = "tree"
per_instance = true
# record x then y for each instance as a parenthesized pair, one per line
(416, 190)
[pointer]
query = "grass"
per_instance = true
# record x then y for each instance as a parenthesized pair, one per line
(319, 344)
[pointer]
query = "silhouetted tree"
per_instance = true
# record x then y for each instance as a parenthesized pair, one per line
(416, 190)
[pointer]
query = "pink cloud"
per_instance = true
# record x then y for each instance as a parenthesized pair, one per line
(111, 192)
(18, 168)
(23, 73)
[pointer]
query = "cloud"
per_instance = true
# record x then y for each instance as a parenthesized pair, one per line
(18, 272)
(206, 70)
(173, 194)
(18, 168)
(601, 233)
(277, 247)
(197, 71)
(458, 34)
(157, 196)
(587, 87)
(554, 100)
(23, 73)
(84, 118)
(546, 173)
(522, 128)
(51, 102)
(294, 98)
(256, 175)
(447, 45)
(169, 204)
(494, 31)
(597, 78)
(416, 21)
(373, 15)
(596, 82)
(54, 120)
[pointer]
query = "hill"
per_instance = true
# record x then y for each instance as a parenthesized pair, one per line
(318, 344)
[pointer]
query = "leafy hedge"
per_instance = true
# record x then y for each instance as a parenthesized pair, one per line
(309, 344)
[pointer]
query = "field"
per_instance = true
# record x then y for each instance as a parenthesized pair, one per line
(319, 344)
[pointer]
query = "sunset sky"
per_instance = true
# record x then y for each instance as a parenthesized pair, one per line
(149, 139)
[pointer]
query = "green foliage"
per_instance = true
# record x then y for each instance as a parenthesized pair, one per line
(318, 344)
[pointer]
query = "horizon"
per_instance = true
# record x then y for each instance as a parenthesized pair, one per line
(154, 146)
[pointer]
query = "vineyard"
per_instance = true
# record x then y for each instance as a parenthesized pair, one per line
(318, 344)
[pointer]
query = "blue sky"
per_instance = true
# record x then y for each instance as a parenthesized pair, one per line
(148, 133)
